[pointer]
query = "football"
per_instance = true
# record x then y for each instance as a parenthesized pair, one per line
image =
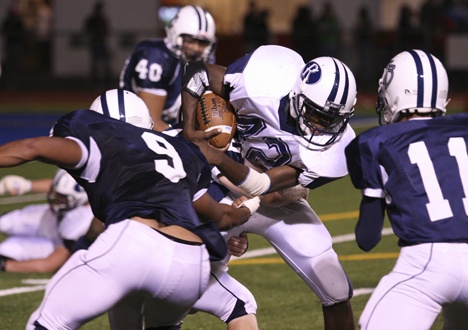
(215, 112)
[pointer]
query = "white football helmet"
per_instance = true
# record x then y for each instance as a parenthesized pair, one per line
(195, 22)
(322, 100)
(65, 194)
(413, 81)
(124, 106)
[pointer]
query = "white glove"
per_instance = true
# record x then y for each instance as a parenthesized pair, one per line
(14, 185)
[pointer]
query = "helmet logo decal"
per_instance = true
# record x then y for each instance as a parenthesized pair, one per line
(311, 73)
(387, 79)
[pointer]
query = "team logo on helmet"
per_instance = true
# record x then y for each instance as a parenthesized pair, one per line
(388, 75)
(311, 73)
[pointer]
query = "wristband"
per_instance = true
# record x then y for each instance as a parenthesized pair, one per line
(252, 204)
(256, 183)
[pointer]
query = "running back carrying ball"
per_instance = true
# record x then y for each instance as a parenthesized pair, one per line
(215, 112)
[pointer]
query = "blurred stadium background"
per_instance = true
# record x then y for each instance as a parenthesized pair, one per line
(394, 24)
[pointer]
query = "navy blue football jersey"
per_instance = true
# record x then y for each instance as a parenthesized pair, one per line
(154, 69)
(420, 168)
(132, 171)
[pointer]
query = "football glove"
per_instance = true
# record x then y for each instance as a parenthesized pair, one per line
(14, 185)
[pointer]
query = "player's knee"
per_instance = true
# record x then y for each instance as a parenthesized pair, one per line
(333, 283)
(242, 308)
(39, 326)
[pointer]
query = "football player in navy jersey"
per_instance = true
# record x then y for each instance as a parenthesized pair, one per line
(415, 169)
(154, 69)
(147, 188)
(292, 123)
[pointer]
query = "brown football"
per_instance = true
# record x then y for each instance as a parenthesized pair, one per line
(215, 112)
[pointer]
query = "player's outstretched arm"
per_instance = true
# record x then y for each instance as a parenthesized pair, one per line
(47, 265)
(15, 185)
(51, 150)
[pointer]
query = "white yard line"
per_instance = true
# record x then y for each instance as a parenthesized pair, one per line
(23, 199)
(23, 289)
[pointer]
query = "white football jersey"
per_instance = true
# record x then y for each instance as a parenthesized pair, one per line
(260, 85)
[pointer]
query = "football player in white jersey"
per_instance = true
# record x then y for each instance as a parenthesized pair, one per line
(154, 69)
(41, 237)
(415, 170)
(292, 121)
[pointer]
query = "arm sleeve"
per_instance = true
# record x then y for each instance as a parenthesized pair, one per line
(370, 224)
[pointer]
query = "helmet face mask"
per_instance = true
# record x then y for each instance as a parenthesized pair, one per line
(192, 24)
(124, 106)
(412, 82)
(323, 100)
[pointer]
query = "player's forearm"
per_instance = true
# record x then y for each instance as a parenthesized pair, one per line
(251, 181)
(371, 219)
(41, 185)
(47, 265)
(284, 197)
(17, 153)
(57, 151)
(234, 171)
(189, 106)
(239, 214)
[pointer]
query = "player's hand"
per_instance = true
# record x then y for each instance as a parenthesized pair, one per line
(14, 185)
(251, 203)
(238, 202)
(238, 245)
(270, 199)
(198, 137)
(211, 153)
